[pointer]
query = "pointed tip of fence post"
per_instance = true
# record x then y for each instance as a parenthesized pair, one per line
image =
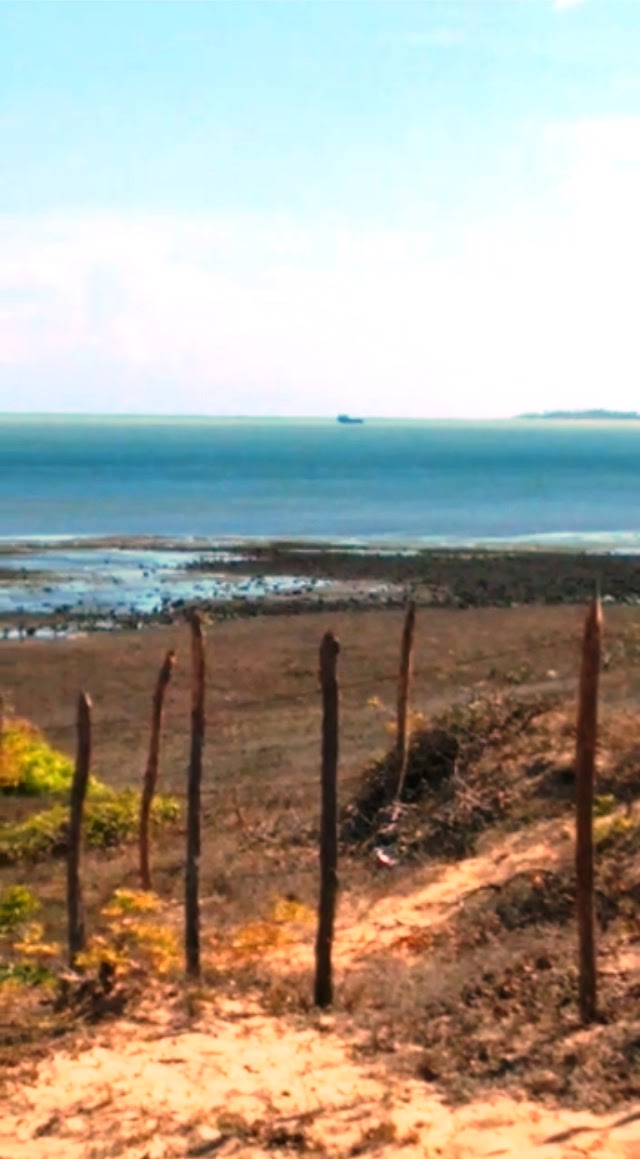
(194, 618)
(593, 618)
(329, 652)
(83, 725)
(165, 673)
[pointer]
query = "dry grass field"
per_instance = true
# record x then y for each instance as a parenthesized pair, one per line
(455, 1030)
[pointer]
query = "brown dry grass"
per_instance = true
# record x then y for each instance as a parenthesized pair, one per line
(420, 989)
(261, 757)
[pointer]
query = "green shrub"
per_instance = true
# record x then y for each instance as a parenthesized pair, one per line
(603, 804)
(135, 933)
(113, 817)
(110, 818)
(29, 765)
(27, 973)
(617, 834)
(42, 835)
(17, 905)
(24, 952)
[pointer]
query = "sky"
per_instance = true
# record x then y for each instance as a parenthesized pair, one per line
(425, 209)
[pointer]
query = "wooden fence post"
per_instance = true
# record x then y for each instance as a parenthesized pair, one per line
(151, 771)
(1, 737)
(191, 901)
(406, 658)
(585, 768)
(329, 650)
(75, 910)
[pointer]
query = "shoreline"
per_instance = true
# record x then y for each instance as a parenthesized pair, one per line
(109, 585)
(620, 542)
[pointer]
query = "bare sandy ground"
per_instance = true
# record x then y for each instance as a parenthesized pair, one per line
(214, 1076)
(241, 1084)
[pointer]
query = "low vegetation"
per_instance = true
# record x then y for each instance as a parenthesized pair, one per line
(28, 765)
(464, 775)
(487, 999)
(133, 934)
(30, 768)
(110, 818)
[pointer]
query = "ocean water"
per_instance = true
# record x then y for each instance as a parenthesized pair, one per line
(449, 483)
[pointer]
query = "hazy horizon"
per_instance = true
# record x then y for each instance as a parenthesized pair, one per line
(167, 416)
(606, 415)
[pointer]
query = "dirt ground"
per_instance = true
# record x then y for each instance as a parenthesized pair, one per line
(262, 694)
(234, 1083)
(245, 1065)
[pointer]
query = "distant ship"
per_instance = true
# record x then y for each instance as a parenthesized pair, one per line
(348, 419)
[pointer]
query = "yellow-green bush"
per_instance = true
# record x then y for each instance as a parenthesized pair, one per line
(134, 936)
(618, 834)
(110, 818)
(17, 904)
(24, 953)
(29, 765)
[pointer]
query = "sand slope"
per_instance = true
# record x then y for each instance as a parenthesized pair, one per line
(243, 1084)
(234, 1081)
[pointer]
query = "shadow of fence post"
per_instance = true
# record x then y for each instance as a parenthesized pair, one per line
(151, 772)
(586, 739)
(191, 900)
(329, 649)
(75, 908)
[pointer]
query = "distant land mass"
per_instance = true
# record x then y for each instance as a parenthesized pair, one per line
(624, 415)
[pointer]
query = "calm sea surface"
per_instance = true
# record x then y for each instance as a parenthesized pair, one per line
(395, 481)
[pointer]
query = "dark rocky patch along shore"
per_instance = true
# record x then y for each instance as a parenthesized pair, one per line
(457, 578)
(359, 578)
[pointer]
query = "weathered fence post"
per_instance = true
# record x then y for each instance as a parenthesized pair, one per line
(75, 911)
(151, 771)
(1, 737)
(329, 650)
(191, 901)
(406, 658)
(585, 768)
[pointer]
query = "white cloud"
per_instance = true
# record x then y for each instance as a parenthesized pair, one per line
(597, 161)
(278, 315)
